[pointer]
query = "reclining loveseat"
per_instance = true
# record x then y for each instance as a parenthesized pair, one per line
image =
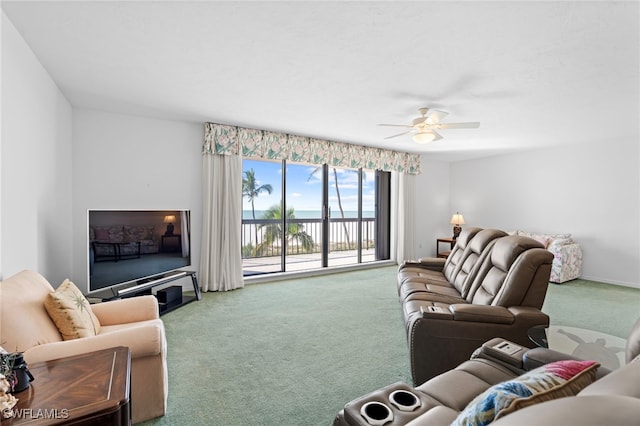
(494, 387)
(492, 284)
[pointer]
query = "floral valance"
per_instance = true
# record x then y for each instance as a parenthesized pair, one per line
(232, 140)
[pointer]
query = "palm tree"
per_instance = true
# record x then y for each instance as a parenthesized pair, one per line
(273, 231)
(251, 190)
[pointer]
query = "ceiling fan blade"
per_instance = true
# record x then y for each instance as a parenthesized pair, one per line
(471, 125)
(438, 136)
(399, 134)
(435, 116)
(396, 125)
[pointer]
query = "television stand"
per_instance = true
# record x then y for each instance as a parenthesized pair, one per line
(145, 286)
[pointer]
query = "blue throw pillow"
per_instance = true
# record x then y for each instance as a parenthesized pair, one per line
(551, 381)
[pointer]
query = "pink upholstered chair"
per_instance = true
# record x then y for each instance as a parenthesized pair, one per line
(27, 328)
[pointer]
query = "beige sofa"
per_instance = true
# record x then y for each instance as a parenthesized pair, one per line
(27, 328)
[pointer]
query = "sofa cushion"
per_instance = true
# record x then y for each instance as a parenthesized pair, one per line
(102, 234)
(555, 380)
(71, 312)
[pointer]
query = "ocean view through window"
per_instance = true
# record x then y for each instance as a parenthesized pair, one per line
(329, 218)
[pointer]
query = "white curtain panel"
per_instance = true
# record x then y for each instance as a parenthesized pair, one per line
(185, 233)
(221, 253)
(403, 245)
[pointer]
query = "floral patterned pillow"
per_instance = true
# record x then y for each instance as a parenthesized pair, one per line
(561, 242)
(551, 381)
(71, 312)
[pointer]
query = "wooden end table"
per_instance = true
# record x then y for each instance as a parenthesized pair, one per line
(444, 254)
(87, 389)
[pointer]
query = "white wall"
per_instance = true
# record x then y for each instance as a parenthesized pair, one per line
(35, 225)
(590, 190)
(129, 162)
(433, 209)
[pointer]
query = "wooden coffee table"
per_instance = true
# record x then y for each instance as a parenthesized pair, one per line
(91, 388)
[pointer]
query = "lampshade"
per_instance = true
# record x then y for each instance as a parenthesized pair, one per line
(423, 137)
(457, 219)
(171, 218)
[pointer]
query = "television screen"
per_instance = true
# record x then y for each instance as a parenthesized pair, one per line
(126, 247)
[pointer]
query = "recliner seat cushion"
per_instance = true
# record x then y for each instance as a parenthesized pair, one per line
(458, 256)
(478, 248)
(514, 260)
(445, 273)
(457, 387)
(467, 264)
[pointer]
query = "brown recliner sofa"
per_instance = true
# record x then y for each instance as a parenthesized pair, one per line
(451, 276)
(612, 399)
(500, 294)
(134, 322)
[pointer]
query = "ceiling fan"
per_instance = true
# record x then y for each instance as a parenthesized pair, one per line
(424, 127)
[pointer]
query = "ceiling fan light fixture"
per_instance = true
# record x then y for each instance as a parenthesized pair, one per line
(423, 137)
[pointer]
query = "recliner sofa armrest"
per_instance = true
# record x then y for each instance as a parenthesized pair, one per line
(481, 313)
(432, 263)
(502, 351)
(538, 357)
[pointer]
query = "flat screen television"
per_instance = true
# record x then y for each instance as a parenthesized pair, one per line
(130, 247)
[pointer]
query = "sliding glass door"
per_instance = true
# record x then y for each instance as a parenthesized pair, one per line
(301, 217)
(261, 195)
(303, 201)
(344, 205)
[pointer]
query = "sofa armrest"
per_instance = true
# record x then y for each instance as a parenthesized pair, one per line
(538, 357)
(432, 263)
(147, 339)
(459, 330)
(481, 313)
(124, 311)
(567, 262)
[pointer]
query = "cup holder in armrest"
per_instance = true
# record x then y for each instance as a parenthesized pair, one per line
(404, 400)
(376, 413)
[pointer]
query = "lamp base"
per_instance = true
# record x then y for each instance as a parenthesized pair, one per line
(456, 231)
(169, 229)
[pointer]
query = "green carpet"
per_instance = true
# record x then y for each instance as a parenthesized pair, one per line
(610, 309)
(294, 352)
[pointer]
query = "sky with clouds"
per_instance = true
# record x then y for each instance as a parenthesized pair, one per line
(304, 187)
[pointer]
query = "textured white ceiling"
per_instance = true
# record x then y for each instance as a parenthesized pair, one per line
(532, 73)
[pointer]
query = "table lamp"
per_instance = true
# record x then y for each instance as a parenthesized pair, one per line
(169, 219)
(457, 220)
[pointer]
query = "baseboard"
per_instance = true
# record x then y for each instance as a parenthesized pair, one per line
(612, 282)
(277, 276)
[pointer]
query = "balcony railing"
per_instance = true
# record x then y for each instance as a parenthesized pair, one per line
(262, 238)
